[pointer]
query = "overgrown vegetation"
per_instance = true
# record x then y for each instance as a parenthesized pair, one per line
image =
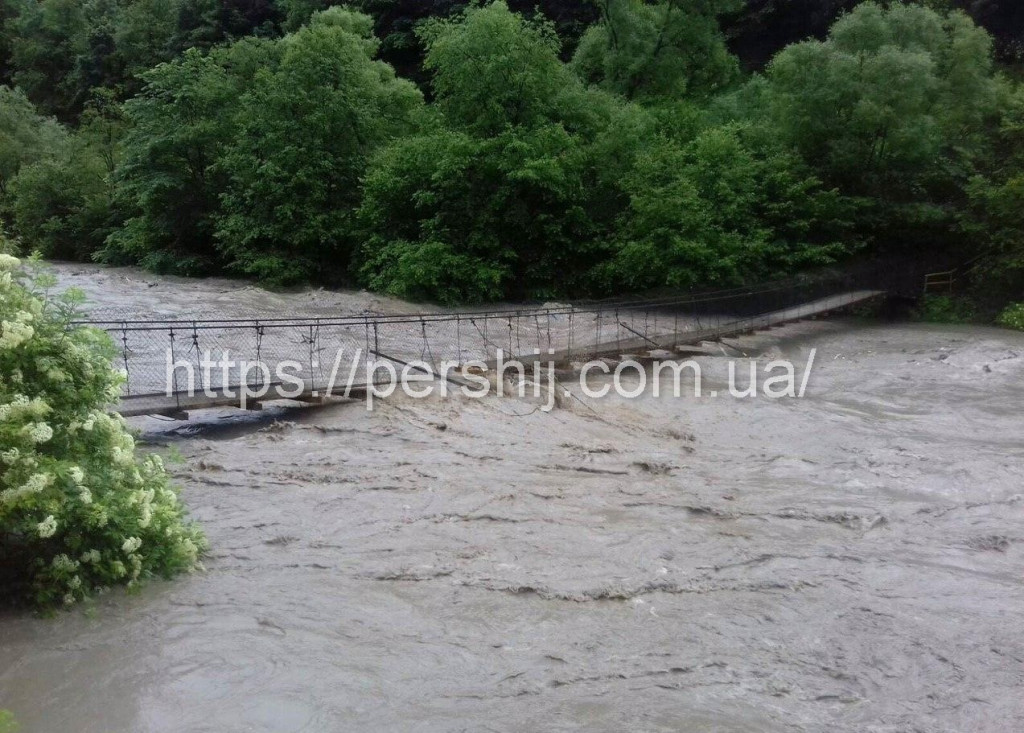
(79, 512)
(944, 309)
(1013, 316)
(521, 150)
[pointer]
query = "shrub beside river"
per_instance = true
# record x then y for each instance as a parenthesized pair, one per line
(79, 510)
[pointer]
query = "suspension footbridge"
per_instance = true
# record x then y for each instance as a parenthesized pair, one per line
(167, 362)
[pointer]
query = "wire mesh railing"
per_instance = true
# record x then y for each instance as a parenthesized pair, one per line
(168, 362)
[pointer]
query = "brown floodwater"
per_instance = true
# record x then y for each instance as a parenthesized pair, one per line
(849, 561)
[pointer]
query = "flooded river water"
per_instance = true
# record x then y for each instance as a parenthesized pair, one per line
(849, 561)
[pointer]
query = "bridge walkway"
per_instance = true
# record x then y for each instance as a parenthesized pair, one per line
(561, 334)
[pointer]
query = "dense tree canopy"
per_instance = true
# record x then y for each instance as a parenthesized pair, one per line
(303, 134)
(894, 106)
(466, 151)
(888, 91)
(657, 51)
(513, 183)
(727, 205)
(995, 218)
(169, 181)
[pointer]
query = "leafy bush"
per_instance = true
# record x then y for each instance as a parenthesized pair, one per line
(492, 68)
(78, 511)
(944, 309)
(1012, 316)
(880, 101)
(510, 217)
(61, 205)
(433, 271)
(994, 221)
(25, 135)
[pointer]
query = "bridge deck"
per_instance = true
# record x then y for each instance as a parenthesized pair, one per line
(734, 327)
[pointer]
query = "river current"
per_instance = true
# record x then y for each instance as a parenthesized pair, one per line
(849, 561)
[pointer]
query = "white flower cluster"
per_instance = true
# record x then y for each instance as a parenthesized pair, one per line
(14, 333)
(64, 563)
(152, 466)
(188, 548)
(131, 544)
(39, 432)
(123, 452)
(144, 498)
(21, 408)
(78, 479)
(58, 375)
(8, 262)
(120, 456)
(98, 419)
(136, 563)
(36, 483)
(47, 528)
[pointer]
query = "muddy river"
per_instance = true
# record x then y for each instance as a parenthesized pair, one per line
(849, 561)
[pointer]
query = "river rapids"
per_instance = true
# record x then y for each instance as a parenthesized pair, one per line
(849, 561)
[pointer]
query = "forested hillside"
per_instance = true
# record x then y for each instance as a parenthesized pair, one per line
(465, 152)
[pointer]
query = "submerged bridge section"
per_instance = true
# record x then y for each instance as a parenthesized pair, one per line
(174, 366)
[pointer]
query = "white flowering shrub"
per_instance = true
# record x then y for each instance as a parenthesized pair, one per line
(78, 511)
(1012, 316)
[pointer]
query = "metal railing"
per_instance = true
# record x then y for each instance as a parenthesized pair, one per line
(940, 283)
(337, 350)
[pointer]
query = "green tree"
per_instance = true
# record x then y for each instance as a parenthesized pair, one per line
(99, 66)
(169, 184)
(727, 206)
(511, 193)
(396, 23)
(994, 221)
(887, 96)
(658, 51)
(893, 107)
(491, 68)
(46, 40)
(305, 132)
(456, 218)
(25, 136)
(61, 204)
(205, 23)
(56, 186)
(144, 34)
